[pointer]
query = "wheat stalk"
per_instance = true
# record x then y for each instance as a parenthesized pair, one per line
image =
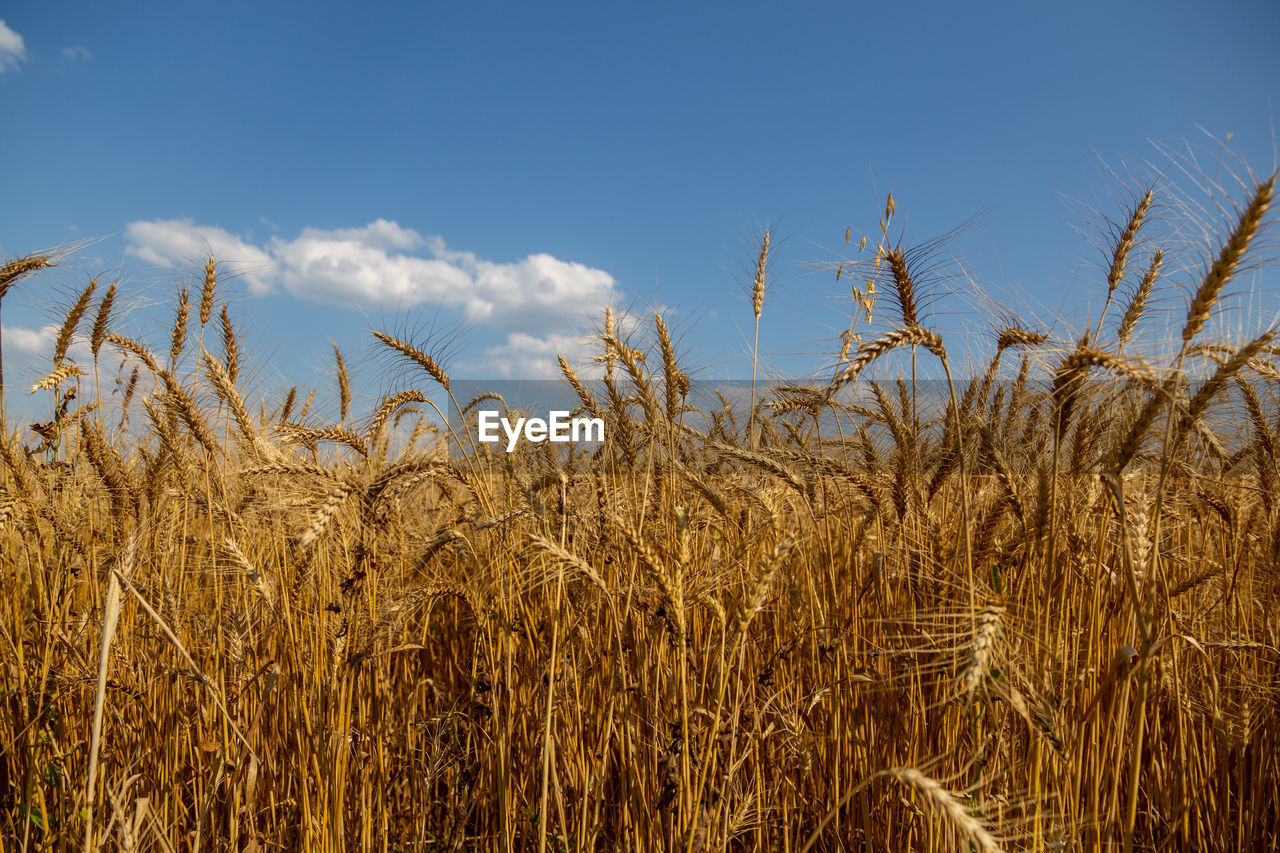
(110, 619)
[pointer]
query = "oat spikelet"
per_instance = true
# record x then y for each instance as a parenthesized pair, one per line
(1228, 260)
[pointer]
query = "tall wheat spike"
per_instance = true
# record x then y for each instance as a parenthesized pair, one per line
(1227, 263)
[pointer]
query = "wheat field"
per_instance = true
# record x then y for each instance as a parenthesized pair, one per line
(1037, 611)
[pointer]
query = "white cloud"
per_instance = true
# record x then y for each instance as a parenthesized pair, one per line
(29, 341)
(177, 242)
(526, 356)
(76, 53)
(379, 234)
(13, 50)
(540, 289)
(537, 290)
(360, 267)
(384, 265)
(38, 343)
(31, 351)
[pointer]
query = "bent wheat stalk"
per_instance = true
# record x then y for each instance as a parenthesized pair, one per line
(110, 619)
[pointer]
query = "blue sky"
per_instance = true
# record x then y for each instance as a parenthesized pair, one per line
(498, 172)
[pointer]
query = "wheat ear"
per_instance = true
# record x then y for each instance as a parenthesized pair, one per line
(908, 335)
(949, 806)
(1138, 303)
(344, 385)
(68, 328)
(207, 286)
(1228, 260)
(409, 351)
